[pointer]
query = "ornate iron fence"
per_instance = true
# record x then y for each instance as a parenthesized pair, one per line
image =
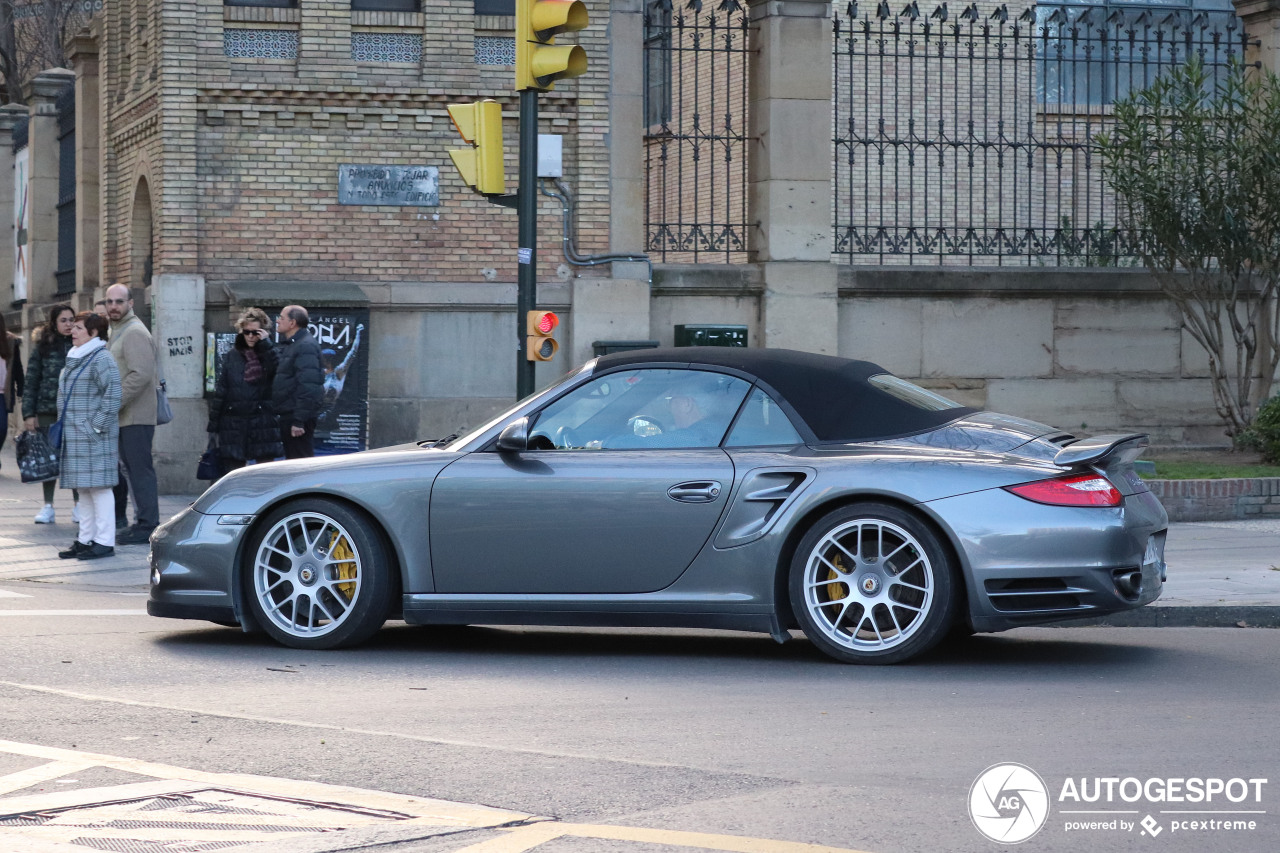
(970, 138)
(695, 104)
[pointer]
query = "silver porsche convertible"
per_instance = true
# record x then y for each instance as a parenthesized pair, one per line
(745, 489)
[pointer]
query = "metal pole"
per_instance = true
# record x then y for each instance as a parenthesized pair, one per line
(527, 208)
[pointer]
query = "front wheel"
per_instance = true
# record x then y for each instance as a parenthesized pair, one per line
(320, 576)
(871, 583)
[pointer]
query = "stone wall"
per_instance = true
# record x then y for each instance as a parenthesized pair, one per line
(1087, 350)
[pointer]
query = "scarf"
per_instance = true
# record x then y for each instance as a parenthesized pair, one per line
(86, 348)
(252, 366)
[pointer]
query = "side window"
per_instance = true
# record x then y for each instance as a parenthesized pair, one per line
(763, 424)
(641, 409)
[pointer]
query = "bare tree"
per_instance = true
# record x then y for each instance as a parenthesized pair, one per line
(33, 35)
(1196, 161)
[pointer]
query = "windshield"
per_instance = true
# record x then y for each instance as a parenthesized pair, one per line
(465, 436)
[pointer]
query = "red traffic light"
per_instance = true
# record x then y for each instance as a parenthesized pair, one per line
(542, 322)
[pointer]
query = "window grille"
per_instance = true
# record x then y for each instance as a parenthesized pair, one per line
(242, 43)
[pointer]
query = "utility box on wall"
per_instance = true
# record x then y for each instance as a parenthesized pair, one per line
(710, 335)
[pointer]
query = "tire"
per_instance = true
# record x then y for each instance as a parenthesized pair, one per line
(859, 607)
(318, 575)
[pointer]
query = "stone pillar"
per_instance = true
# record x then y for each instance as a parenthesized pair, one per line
(42, 194)
(1262, 21)
(10, 114)
(83, 54)
(617, 308)
(790, 163)
(177, 322)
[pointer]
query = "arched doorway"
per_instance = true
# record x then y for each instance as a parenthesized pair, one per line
(140, 234)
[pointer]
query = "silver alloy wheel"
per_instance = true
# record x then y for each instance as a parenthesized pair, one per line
(868, 585)
(307, 574)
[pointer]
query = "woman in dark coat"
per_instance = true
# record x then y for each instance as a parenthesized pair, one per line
(40, 390)
(240, 414)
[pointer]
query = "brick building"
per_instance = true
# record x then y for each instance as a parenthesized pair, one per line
(211, 138)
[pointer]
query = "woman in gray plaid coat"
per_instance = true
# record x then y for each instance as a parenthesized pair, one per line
(89, 405)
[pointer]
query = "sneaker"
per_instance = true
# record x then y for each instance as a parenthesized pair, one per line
(77, 548)
(136, 535)
(45, 516)
(75, 513)
(96, 551)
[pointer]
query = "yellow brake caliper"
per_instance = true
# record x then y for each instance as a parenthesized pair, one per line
(835, 591)
(340, 550)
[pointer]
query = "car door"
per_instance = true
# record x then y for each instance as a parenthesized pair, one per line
(618, 495)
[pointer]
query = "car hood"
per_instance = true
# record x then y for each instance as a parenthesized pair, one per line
(245, 490)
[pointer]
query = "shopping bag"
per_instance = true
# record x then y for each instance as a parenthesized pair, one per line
(207, 469)
(164, 412)
(37, 461)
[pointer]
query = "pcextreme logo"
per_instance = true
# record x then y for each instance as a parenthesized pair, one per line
(1008, 803)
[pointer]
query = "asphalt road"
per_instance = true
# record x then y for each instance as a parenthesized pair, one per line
(707, 732)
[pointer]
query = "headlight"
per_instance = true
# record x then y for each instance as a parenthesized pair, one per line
(235, 520)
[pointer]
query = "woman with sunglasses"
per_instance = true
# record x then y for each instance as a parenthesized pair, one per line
(241, 419)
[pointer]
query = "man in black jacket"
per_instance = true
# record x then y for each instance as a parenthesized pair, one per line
(299, 384)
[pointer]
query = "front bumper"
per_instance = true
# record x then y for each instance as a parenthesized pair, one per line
(193, 560)
(1044, 564)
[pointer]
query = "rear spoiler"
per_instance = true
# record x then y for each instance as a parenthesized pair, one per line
(1112, 448)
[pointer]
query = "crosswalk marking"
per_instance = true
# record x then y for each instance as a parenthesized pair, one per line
(4, 593)
(181, 807)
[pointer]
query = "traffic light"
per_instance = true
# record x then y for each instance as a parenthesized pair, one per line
(539, 61)
(539, 326)
(480, 124)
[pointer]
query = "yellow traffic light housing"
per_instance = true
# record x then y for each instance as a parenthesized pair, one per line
(479, 124)
(539, 60)
(540, 326)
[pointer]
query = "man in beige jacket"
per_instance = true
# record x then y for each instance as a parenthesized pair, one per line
(134, 350)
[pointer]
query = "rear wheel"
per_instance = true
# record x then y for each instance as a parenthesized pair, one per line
(320, 576)
(871, 583)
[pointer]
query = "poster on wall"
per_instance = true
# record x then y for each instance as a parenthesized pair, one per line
(343, 336)
(21, 224)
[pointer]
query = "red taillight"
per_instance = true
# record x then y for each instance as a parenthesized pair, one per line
(1073, 490)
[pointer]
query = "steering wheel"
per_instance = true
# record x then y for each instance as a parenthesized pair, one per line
(566, 438)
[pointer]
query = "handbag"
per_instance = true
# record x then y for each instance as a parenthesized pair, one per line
(37, 461)
(55, 428)
(207, 469)
(164, 412)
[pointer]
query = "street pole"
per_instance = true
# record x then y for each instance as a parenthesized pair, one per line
(527, 209)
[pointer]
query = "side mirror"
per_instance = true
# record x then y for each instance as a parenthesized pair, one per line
(514, 437)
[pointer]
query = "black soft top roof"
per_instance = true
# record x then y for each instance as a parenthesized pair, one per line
(831, 395)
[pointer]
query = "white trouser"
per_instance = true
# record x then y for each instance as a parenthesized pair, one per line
(97, 517)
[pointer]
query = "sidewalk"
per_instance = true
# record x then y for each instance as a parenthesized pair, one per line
(1221, 573)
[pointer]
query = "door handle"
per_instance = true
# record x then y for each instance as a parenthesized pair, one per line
(699, 492)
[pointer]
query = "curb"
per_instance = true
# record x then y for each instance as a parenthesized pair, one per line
(1188, 616)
